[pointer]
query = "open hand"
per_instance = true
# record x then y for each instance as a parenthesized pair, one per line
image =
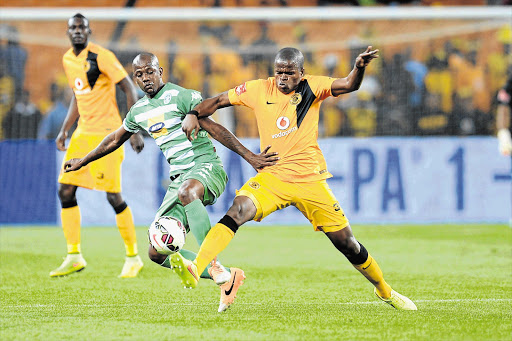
(263, 159)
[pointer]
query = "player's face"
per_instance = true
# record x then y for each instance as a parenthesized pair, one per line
(288, 76)
(148, 76)
(78, 31)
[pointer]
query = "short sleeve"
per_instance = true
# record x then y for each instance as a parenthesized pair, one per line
(245, 94)
(110, 66)
(129, 123)
(321, 86)
(188, 99)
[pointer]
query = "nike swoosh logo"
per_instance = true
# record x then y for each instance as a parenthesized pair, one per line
(228, 292)
(269, 102)
(156, 241)
(193, 274)
(368, 264)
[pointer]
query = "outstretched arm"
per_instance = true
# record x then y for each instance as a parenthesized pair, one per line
(126, 84)
(108, 145)
(204, 109)
(353, 81)
(224, 136)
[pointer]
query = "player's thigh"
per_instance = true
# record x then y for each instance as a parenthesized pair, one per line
(106, 171)
(318, 204)
(213, 177)
(268, 194)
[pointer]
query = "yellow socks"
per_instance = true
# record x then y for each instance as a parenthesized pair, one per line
(217, 239)
(71, 221)
(124, 221)
(371, 270)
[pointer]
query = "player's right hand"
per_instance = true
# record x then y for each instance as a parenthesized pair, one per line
(61, 141)
(190, 126)
(72, 165)
(505, 142)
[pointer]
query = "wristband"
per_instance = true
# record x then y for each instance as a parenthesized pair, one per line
(193, 112)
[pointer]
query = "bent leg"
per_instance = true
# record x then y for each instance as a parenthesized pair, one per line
(357, 254)
(241, 211)
(190, 194)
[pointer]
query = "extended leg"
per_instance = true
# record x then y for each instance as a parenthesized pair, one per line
(357, 254)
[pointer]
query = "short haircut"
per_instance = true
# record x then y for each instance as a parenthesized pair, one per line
(80, 16)
(290, 55)
(151, 56)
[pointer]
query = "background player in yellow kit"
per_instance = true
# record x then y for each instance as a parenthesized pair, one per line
(287, 113)
(93, 72)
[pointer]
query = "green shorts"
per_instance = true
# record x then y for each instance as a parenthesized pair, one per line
(210, 174)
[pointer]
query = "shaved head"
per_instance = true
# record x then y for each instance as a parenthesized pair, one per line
(144, 58)
(290, 55)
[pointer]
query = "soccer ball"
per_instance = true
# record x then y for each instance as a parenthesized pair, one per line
(167, 235)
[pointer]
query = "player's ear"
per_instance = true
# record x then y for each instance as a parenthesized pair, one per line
(161, 69)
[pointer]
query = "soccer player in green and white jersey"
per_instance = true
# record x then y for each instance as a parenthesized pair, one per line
(198, 177)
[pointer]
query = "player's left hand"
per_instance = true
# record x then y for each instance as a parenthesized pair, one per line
(366, 57)
(263, 159)
(72, 165)
(137, 142)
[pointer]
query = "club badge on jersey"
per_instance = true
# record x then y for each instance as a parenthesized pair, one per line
(296, 99)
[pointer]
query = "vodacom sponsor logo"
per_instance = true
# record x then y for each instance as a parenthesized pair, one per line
(79, 85)
(283, 122)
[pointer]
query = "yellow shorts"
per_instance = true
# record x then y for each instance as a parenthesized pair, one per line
(103, 174)
(314, 199)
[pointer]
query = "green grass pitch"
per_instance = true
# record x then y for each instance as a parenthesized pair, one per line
(298, 287)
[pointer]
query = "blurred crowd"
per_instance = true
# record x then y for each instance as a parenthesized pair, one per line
(448, 91)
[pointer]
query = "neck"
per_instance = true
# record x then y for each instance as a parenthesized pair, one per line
(77, 49)
(157, 91)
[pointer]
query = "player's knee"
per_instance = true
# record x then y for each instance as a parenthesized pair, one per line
(190, 191)
(242, 210)
(155, 256)
(67, 196)
(115, 199)
(345, 242)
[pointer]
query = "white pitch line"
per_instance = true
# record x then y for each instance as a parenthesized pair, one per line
(462, 300)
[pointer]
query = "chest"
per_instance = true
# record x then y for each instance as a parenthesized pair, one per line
(83, 72)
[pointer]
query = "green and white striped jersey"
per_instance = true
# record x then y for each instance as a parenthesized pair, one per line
(161, 116)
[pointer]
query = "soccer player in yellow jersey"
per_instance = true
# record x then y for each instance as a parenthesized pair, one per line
(93, 73)
(287, 112)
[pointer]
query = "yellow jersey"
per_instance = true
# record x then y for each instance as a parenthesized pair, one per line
(289, 123)
(93, 75)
